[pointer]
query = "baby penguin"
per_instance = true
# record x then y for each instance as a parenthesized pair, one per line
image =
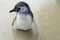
(24, 18)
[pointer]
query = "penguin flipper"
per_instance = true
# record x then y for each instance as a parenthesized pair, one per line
(14, 20)
(34, 30)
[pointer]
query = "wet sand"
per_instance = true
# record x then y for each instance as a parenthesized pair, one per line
(47, 19)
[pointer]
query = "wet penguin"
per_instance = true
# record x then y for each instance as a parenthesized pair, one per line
(24, 17)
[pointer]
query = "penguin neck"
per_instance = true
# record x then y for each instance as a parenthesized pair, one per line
(23, 12)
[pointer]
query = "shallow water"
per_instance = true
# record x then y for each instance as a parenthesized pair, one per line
(46, 15)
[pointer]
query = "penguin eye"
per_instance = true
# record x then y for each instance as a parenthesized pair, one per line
(18, 8)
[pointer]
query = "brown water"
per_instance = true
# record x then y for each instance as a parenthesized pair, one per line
(47, 20)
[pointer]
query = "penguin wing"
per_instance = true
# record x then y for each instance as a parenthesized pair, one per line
(14, 20)
(34, 29)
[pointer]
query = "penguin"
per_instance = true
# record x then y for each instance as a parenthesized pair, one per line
(24, 17)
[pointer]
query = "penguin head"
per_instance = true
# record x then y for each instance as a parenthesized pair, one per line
(20, 7)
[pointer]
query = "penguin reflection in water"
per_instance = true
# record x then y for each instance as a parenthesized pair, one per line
(24, 18)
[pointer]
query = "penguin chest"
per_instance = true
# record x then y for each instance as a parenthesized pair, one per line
(23, 22)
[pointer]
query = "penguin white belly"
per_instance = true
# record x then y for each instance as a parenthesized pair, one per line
(23, 22)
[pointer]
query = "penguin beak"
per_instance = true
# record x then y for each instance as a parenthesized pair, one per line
(14, 10)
